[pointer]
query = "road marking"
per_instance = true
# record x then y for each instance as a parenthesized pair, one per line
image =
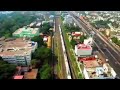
(112, 56)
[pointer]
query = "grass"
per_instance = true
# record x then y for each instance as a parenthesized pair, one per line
(75, 68)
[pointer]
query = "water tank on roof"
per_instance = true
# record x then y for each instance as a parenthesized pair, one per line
(96, 56)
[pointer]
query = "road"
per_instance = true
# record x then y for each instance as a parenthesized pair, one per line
(59, 68)
(110, 52)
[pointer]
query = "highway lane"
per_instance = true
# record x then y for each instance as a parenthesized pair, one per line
(114, 58)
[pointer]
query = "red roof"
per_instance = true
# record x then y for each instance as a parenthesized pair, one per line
(87, 58)
(18, 77)
(83, 46)
(76, 34)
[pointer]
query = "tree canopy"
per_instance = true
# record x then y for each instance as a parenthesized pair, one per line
(39, 40)
(45, 72)
(82, 38)
(115, 40)
(6, 70)
(45, 28)
(9, 24)
(71, 28)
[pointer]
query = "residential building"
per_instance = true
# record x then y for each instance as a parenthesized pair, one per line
(68, 19)
(49, 42)
(88, 41)
(18, 77)
(38, 24)
(17, 51)
(32, 24)
(76, 35)
(26, 32)
(31, 75)
(82, 50)
(95, 68)
(45, 39)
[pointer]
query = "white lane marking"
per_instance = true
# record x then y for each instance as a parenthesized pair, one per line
(113, 57)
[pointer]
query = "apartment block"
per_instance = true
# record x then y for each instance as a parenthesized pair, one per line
(17, 51)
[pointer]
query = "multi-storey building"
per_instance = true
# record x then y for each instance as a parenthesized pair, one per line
(17, 51)
(26, 32)
(82, 50)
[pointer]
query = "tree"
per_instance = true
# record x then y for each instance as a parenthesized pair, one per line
(45, 28)
(39, 40)
(34, 63)
(45, 72)
(82, 38)
(73, 43)
(62, 18)
(42, 55)
(6, 70)
(114, 39)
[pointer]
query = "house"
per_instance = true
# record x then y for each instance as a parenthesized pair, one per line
(45, 39)
(96, 69)
(82, 50)
(31, 75)
(18, 77)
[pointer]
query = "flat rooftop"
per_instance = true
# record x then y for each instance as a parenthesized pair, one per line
(28, 29)
(18, 77)
(91, 64)
(31, 75)
(15, 46)
(83, 46)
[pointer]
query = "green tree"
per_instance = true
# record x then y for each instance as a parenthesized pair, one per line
(82, 38)
(45, 28)
(114, 39)
(45, 72)
(73, 43)
(43, 55)
(39, 40)
(6, 70)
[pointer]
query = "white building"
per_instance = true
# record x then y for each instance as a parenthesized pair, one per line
(68, 19)
(83, 50)
(18, 51)
(38, 24)
(94, 70)
(88, 41)
(45, 39)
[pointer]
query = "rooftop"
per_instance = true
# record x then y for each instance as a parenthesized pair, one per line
(18, 77)
(25, 30)
(15, 46)
(89, 58)
(83, 46)
(31, 75)
(91, 64)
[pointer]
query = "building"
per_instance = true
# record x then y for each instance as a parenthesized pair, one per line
(45, 39)
(26, 32)
(31, 75)
(82, 50)
(18, 77)
(95, 68)
(49, 42)
(25, 73)
(32, 24)
(76, 35)
(17, 51)
(68, 19)
(88, 41)
(38, 24)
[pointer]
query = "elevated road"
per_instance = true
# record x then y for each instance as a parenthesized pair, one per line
(109, 51)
